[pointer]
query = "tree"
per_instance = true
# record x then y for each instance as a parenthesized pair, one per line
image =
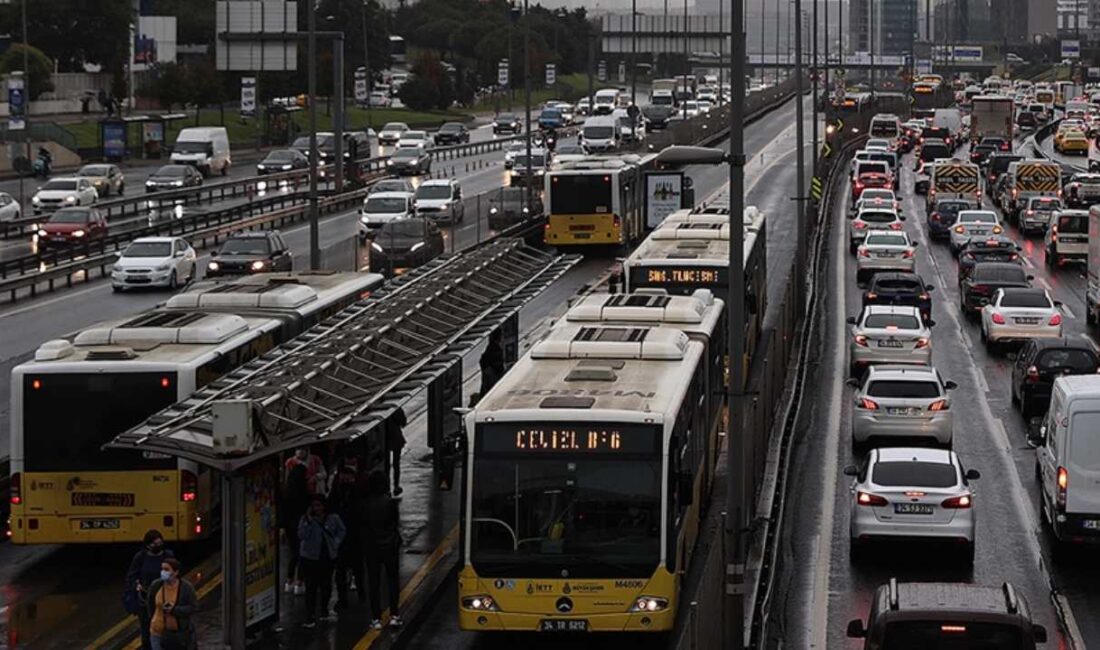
(75, 32)
(40, 68)
(169, 86)
(419, 94)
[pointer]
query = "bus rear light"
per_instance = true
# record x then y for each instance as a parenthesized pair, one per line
(15, 495)
(189, 485)
(198, 524)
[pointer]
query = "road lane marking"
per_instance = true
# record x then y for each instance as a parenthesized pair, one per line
(1067, 311)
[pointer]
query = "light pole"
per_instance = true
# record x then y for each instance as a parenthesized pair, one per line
(687, 57)
(311, 47)
(26, 104)
(527, 96)
(800, 135)
(633, 52)
(366, 64)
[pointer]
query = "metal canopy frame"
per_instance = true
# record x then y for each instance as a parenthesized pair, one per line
(345, 376)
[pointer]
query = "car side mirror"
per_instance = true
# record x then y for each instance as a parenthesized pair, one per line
(1039, 633)
(950, 385)
(851, 470)
(853, 382)
(1057, 303)
(1037, 431)
(902, 217)
(856, 629)
(930, 322)
(914, 244)
(929, 287)
(973, 475)
(1030, 278)
(851, 320)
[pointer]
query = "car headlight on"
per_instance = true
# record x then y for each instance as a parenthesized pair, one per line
(376, 247)
(150, 184)
(35, 200)
(258, 265)
(526, 210)
(389, 163)
(649, 604)
(493, 211)
(287, 167)
(42, 233)
(417, 246)
(480, 603)
(415, 163)
(79, 233)
(177, 183)
(70, 199)
(213, 266)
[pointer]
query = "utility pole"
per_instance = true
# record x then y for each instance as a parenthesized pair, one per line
(825, 9)
(816, 80)
(721, 51)
(738, 488)
(634, 52)
(871, 39)
(366, 64)
(527, 97)
(800, 136)
(778, 28)
(26, 106)
(311, 46)
(687, 57)
(591, 69)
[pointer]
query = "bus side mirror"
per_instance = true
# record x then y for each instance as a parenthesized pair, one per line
(1040, 633)
(855, 629)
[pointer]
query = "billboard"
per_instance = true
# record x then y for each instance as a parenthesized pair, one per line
(958, 53)
(664, 192)
(1071, 49)
(154, 41)
(261, 535)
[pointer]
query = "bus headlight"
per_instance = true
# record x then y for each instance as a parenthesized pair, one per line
(649, 604)
(480, 603)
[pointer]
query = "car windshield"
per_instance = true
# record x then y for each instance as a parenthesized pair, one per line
(1080, 361)
(450, 127)
(193, 147)
(899, 321)
(536, 161)
(872, 168)
(394, 126)
(878, 217)
(933, 151)
(414, 135)
(506, 117)
(71, 216)
(245, 246)
(433, 192)
(59, 185)
(391, 186)
(508, 195)
(886, 239)
(914, 473)
(95, 170)
(380, 205)
(570, 149)
(951, 208)
(148, 249)
(1025, 299)
(407, 154)
(885, 195)
(977, 217)
(550, 112)
(407, 228)
(1076, 224)
(903, 388)
(282, 155)
(896, 284)
(173, 171)
(599, 132)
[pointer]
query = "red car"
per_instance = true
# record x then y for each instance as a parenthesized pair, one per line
(70, 226)
(871, 178)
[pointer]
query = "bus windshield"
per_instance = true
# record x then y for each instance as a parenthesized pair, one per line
(580, 194)
(545, 501)
(97, 407)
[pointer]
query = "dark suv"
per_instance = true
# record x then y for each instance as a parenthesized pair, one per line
(978, 287)
(995, 165)
(1040, 362)
(943, 215)
(923, 615)
(251, 252)
(907, 289)
(995, 248)
(451, 133)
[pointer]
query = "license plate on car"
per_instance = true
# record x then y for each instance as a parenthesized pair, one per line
(99, 524)
(563, 625)
(913, 508)
(889, 344)
(979, 231)
(887, 255)
(901, 410)
(1090, 524)
(1026, 321)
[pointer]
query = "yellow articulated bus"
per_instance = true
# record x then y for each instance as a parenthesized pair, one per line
(587, 466)
(81, 391)
(597, 201)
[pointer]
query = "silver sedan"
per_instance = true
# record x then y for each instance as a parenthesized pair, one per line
(974, 223)
(885, 250)
(889, 334)
(1018, 314)
(901, 403)
(912, 493)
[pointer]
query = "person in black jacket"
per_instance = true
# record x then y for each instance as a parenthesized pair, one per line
(382, 541)
(346, 500)
(492, 362)
(295, 503)
(143, 572)
(395, 443)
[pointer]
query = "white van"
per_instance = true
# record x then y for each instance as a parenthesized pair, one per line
(606, 101)
(1068, 460)
(204, 147)
(601, 133)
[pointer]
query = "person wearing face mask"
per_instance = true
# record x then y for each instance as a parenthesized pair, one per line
(172, 602)
(144, 570)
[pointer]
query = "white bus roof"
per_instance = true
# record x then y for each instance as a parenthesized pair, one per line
(300, 291)
(697, 314)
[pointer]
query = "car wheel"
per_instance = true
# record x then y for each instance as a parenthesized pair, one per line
(121, 189)
(172, 281)
(116, 288)
(856, 550)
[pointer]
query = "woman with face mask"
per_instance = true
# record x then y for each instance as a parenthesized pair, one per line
(172, 602)
(143, 572)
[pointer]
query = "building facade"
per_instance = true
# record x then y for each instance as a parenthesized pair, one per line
(884, 26)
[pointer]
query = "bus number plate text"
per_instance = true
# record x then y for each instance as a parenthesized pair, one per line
(103, 499)
(563, 625)
(99, 524)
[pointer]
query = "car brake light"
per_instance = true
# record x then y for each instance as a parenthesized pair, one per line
(861, 340)
(15, 493)
(896, 226)
(907, 254)
(859, 185)
(868, 499)
(189, 485)
(922, 342)
(1063, 485)
(939, 405)
(923, 296)
(998, 318)
(617, 221)
(859, 225)
(1031, 213)
(871, 295)
(1055, 320)
(868, 404)
(863, 252)
(957, 503)
(1032, 374)
(935, 216)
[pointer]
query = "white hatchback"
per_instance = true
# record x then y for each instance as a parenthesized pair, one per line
(154, 262)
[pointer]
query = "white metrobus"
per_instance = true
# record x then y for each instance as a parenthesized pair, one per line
(585, 474)
(81, 391)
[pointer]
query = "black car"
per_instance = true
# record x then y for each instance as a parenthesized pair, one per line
(944, 214)
(905, 289)
(978, 287)
(412, 161)
(995, 248)
(405, 244)
(980, 152)
(326, 145)
(656, 116)
(931, 150)
(1040, 362)
(282, 160)
(173, 177)
(995, 166)
(251, 252)
(508, 206)
(507, 123)
(1002, 144)
(451, 133)
(1027, 120)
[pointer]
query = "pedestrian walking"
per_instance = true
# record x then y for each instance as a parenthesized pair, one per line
(347, 501)
(382, 542)
(296, 497)
(143, 572)
(321, 534)
(172, 604)
(316, 475)
(492, 362)
(395, 443)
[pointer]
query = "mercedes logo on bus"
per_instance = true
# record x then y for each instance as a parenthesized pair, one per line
(564, 605)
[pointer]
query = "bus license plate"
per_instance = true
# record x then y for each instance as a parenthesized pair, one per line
(563, 625)
(99, 524)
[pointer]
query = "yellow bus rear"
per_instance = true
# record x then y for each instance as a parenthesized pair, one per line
(583, 208)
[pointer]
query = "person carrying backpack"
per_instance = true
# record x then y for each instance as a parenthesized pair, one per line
(143, 572)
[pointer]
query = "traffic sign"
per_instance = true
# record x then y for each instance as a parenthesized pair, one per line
(622, 72)
(502, 72)
(826, 151)
(551, 74)
(248, 96)
(17, 104)
(815, 188)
